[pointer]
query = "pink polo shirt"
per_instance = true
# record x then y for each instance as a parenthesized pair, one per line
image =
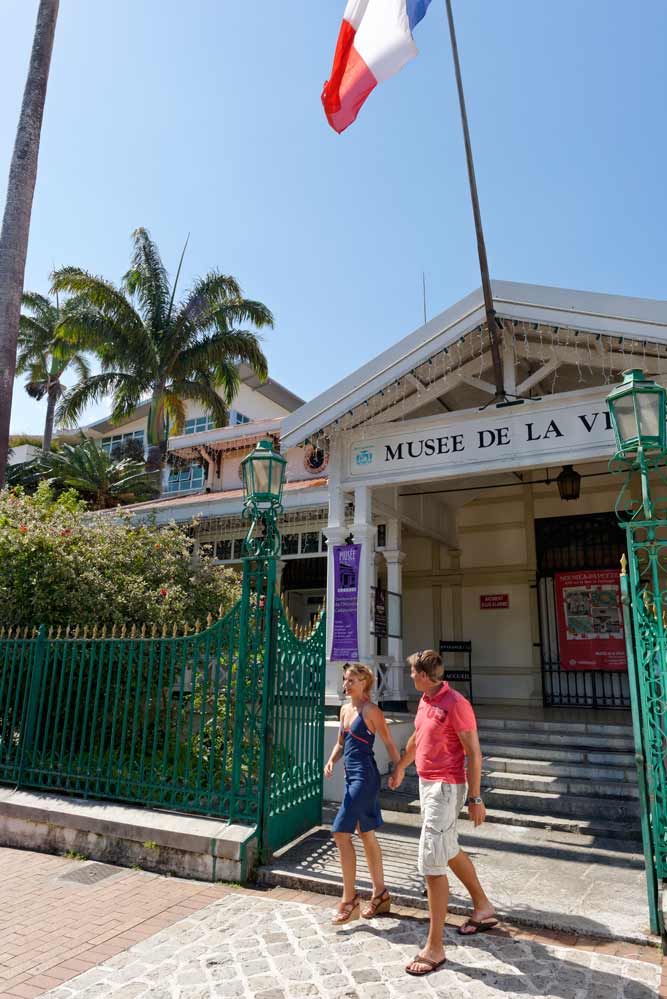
(440, 755)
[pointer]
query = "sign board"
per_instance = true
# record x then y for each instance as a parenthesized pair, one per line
(380, 613)
(534, 433)
(590, 620)
(494, 601)
(345, 643)
(462, 675)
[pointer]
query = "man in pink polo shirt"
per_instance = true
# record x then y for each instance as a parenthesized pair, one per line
(445, 734)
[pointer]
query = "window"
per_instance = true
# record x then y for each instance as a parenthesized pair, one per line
(199, 423)
(290, 544)
(186, 478)
(310, 542)
(223, 550)
(109, 443)
(235, 418)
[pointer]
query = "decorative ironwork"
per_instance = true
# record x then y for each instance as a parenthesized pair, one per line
(567, 544)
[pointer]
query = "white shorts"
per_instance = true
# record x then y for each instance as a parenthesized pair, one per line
(439, 842)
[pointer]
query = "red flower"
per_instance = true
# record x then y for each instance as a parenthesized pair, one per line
(65, 532)
(23, 529)
(163, 592)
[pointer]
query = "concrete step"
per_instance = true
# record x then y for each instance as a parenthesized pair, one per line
(549, 784)
(592, 757)
(553, 803)
(627, 830)
(536, 725)
(574, 770)
(556, 740)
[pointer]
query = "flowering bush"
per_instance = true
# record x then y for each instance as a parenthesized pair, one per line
(60, 564)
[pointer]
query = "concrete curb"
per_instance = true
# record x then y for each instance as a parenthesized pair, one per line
(164, 842)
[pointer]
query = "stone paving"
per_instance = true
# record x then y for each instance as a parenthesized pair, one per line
(533, 877)
(247, 946)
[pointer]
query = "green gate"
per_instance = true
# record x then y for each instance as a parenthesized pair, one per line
(225, 722)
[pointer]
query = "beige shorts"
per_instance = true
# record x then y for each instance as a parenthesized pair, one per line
(439, 842)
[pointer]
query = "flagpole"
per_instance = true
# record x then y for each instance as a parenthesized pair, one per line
(501, 395)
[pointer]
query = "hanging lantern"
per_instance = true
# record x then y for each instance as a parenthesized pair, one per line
(637, 409)
(569, 483)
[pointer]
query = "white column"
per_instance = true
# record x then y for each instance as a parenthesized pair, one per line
(400, 680)
(364, 534)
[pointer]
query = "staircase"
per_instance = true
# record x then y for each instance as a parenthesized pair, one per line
(573, 777)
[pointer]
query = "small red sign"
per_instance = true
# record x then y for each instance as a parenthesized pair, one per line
(494, 601)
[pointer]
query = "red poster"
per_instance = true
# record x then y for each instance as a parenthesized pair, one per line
(590, 620)
(494, 601)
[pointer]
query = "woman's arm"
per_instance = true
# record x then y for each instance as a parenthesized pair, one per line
(409, 753)
(376, 721)
(337, 750)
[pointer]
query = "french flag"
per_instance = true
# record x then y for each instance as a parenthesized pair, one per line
(375, 41)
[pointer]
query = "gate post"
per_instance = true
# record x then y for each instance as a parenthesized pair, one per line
(640, 758)
(34, 686)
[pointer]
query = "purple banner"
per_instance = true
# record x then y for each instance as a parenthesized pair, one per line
(346, 589)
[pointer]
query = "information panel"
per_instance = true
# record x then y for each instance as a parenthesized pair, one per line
(590, 620)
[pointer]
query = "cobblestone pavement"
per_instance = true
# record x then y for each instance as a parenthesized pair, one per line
(244, 945)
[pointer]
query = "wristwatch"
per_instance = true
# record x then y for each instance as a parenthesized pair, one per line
(475, 801)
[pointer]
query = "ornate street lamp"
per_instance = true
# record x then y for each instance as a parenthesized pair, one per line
(263, 480)
(637, 410)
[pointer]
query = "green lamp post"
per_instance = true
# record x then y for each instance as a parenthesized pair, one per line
(637, 410)
(263, 480)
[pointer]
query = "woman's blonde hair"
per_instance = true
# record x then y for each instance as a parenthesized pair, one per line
(362, 673)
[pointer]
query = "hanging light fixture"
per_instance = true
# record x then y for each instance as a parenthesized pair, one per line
(569, 483)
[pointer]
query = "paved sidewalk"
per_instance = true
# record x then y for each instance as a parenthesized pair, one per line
(52, 928)
(534, 877)
(246, 946)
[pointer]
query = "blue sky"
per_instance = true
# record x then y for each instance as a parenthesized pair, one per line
(205, 118)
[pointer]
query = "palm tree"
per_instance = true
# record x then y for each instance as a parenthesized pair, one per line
(100, 478)
(44, 355)
(152, 348)
(18, 208)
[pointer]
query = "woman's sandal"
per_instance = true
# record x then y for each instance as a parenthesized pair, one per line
(347, 912)
(379, 905)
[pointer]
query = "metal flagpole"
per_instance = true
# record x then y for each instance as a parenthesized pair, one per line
(501, 395)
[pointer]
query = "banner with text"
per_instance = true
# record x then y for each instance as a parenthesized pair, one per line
(590, 620)
(345, 643)
(535, 432)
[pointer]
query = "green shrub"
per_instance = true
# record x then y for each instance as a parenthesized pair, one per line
(61, 564)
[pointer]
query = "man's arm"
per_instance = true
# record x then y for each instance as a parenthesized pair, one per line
(408, 757)
(470, 742)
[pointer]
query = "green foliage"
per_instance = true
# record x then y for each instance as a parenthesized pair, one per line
(60, 564)
(151, 346)
(104, 480)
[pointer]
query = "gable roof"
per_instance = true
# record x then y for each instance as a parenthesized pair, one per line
(640, 318)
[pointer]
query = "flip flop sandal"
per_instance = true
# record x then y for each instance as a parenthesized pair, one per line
(432, 965)
(480, 926)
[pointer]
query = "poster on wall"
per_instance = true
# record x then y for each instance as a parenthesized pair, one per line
(345, 643)
(590, 620)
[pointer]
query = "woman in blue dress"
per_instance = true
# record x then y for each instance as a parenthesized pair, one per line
(360, 721)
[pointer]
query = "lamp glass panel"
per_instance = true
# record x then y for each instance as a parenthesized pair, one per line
(262, 470)
(625, 417)
(648, 412)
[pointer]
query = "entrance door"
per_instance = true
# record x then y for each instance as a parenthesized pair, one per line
(570, 544)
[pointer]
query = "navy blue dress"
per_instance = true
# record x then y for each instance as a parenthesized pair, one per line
(361, 804)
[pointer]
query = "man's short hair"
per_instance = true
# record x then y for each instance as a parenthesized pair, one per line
(428, 662)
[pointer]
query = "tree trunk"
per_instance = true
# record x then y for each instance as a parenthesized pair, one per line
(51, 399)
(16, 220)
(155, 431)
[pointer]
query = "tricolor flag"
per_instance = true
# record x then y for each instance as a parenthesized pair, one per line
(375, 41)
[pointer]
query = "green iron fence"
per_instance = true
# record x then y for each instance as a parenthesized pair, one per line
(644, 593)
(225, 722)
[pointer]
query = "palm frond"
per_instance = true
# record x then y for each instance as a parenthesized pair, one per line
(215, 352)
(147, 280)
(175, 410)
(111, 301)
(92, 390)
(203, 391)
